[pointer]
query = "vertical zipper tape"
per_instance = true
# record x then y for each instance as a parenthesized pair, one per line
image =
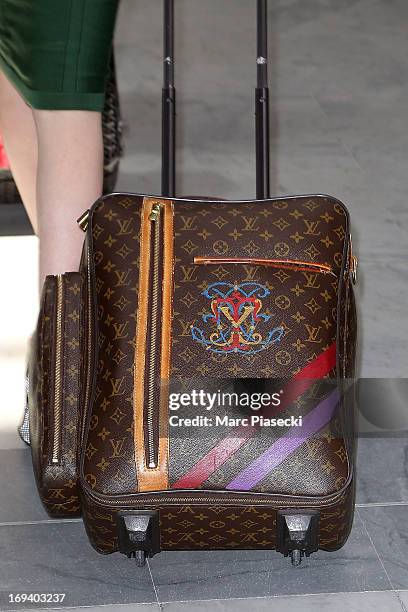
(152, 345)
(56, 445)
(151, 451)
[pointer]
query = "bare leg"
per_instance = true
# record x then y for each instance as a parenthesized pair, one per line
(69, 180)
(20, 138)
(57, 161)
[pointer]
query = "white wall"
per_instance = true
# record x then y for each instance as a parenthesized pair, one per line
(18, 313)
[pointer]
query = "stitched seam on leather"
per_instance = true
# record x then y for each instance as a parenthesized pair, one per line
(346, 327)
(344, 360)
(342, 285)
(348, 487)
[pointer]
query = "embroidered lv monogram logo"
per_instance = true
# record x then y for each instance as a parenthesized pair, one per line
(237, 330)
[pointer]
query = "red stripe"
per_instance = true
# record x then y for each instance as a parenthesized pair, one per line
(218, 455)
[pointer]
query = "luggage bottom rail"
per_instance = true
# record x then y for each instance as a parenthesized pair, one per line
(141, 532)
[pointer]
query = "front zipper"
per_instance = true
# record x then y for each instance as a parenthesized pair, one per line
(152, 357)
(289, 264)
(56, 443)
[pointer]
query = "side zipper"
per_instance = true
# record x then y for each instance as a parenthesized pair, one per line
(57, 399)
(152, 360)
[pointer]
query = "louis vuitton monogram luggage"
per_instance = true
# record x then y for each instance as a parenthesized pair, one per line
(188, 386)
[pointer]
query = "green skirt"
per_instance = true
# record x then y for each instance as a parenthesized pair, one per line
(56, 52)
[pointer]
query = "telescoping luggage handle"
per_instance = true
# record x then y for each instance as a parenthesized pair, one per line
(261, 104)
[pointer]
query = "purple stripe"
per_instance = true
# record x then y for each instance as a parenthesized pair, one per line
(287, 444)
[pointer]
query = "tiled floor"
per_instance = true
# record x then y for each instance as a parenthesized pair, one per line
(41, 555)
(339, 86)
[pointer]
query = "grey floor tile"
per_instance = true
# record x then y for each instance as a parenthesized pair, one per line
(9, 439)
(182, 576)
(57, 558)
(385, 284)
(353, 602)
(388, 529)
(141, 607)
(377, 459)
(19, 500)
(403, 596)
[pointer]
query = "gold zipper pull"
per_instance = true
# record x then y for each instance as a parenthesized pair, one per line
(155, 212)
(83, 221)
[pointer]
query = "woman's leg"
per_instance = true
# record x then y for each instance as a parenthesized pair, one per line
(69, 180)
(20, 139)
(57, 161)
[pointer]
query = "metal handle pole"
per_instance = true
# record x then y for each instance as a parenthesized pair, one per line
(262, 104)
(168, 104)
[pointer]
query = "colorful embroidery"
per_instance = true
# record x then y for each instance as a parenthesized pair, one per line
(235, 313)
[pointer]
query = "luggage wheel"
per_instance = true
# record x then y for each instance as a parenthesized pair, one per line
(139, 534)
(297, 533)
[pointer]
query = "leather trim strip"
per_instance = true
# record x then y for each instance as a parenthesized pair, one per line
(140, 345)
(153, 479)
(288, 264)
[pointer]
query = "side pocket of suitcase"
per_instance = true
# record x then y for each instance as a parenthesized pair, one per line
(54, 395)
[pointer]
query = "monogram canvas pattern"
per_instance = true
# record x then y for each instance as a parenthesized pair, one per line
(274, 325)
(303, 303)
(57, 482)
(318, 466)
(220, 527)
(296, 314)
(297, 320)
(109, 463)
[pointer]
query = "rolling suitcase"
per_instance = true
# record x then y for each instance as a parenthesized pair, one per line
(189, 386)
